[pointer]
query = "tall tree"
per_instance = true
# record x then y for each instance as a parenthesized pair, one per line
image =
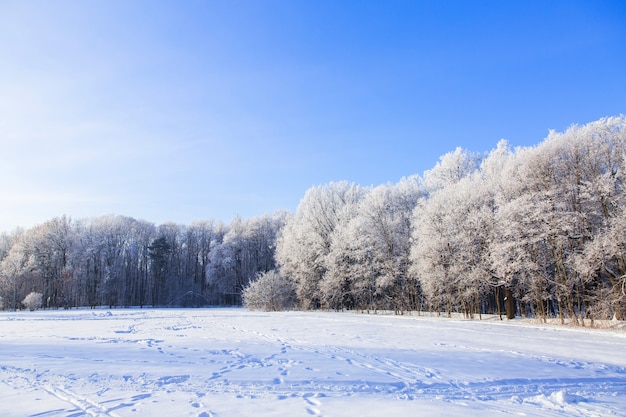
(307, 237)
(159, 253)
(369, 256)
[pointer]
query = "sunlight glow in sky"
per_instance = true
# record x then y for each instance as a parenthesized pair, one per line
(195, 110)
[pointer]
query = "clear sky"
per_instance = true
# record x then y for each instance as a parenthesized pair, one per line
(195, 110)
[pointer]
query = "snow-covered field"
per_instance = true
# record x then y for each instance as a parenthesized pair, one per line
(231, 362)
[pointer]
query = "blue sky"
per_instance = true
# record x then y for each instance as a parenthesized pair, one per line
(193, 110)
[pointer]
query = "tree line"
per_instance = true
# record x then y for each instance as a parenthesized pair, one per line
(120, 261)
(538, 231)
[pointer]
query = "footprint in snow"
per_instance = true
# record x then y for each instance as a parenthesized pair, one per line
(311, 399)
(313, 411)
(140, 397)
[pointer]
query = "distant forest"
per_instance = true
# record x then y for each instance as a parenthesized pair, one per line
(535, 231)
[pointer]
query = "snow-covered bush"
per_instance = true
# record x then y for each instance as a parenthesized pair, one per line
(270, 292)
(33, 301)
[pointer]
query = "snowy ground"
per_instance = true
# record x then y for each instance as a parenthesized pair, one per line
(231, 362)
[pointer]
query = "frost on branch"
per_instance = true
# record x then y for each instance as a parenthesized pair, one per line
(33, 301)
(270, 292)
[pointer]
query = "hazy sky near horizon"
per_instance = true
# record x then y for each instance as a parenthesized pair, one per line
(194, 110)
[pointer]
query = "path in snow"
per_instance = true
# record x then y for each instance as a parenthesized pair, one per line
(231, 362)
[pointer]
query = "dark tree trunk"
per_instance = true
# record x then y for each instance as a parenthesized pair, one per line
(509, 303)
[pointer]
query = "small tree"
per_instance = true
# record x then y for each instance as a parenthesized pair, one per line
(270, 292)
(33, 301)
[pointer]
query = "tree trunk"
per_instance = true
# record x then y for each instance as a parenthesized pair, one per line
(509, 303)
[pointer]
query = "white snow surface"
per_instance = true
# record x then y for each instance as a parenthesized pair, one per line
(233, 362)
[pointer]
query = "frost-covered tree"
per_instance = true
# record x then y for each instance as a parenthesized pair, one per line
(33, 301)
(451, 168)
(51, 243)
(538, 229)
(306, 239)
(368, 260)
(603, 265)
(6, 242)
(388, 222)
(39, 259)
(271, 291)
(601, 148)
(443, 259)
(348, 281)
(247, 249)
(452, 231)
(198, 242)
(554, 202)
(17, 275)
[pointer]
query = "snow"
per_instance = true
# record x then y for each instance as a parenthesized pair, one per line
(232, 362)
